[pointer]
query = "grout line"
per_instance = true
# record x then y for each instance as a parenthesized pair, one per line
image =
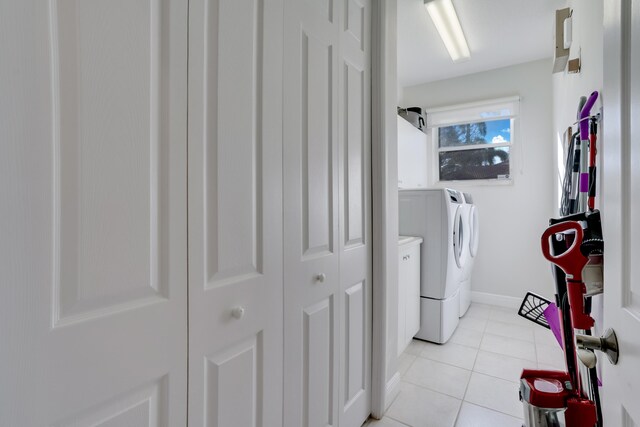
(436, 391)
(506, 355)
(508, 338)
(455, 421)
(494, 410)
(450, 364)
(402, 375)
(398, 421)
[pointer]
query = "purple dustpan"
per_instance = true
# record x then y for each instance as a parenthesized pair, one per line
(553, 319)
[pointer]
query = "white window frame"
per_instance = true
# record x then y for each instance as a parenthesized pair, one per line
(489, 110)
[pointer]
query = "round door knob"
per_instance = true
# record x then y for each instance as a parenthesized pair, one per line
(237, 312)
(320, 277)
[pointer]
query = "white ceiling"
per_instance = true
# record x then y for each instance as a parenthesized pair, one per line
(499, 33)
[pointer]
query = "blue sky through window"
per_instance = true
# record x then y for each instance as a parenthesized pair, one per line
(498, 131)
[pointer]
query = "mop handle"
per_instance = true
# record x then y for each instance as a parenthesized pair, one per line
(593, 136)
(585, 112)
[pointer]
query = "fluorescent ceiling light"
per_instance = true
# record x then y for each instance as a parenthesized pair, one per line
(446, 21)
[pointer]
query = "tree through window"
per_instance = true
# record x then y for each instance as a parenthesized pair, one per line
(474, 141)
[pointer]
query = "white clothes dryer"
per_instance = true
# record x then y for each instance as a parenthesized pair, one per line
(470, 247)
(436, 216)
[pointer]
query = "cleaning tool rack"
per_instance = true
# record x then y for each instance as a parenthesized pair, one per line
(574, 245)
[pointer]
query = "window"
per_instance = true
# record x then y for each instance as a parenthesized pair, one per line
(473, 141)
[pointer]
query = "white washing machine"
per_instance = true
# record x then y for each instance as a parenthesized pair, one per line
(436, 216)
(470, 247)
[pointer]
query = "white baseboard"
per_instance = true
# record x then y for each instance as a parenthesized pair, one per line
(495, 299)
(391, 390)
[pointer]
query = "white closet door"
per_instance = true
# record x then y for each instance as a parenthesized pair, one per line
(312, 242)
(93, 258)
(354, 242)
(621, 209)
(235, 213)
(327, 214)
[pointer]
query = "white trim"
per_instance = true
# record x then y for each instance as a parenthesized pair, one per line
(495, 299)
(474, 147)
(392, 390)
(384, 184)
(506, 99)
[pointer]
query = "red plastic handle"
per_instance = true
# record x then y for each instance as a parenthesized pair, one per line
(570, 261)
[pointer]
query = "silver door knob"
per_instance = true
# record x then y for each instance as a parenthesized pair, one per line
(608, 344)
(237, 312)
(320, 277)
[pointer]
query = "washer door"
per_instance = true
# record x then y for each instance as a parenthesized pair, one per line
(458, 236)
(474, 231)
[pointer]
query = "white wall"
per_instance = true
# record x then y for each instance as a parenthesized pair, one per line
(567, 88)
(513, 216)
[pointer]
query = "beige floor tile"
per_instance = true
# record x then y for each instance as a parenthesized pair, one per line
(451, 354)
(476, 416)
(473, 323)
(509, 347)
(466, 337)
(440, 377)
(501, 366)
(404, 362)
(510, 330)
(544, 336)
(494, 393)
(479, 311)
(418, 407)
(509, 315)
(551, 355)
(415, 347)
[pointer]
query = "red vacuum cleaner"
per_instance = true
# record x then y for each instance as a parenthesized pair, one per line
(574, 245)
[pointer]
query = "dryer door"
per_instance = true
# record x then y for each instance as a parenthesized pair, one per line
(474, 230)
(458, 236)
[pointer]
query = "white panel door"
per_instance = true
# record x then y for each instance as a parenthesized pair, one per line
(354, 243)
(235, 213)
(93, 256)
(311, 239)
(621, 209)
(327, 252)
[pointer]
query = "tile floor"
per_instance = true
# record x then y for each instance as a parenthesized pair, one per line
(472, 380)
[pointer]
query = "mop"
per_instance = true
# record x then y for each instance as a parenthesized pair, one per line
(568, 244)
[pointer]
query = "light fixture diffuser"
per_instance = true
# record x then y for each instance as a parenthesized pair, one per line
(444, 17)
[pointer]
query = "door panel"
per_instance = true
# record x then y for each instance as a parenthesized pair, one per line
(231, 385)
(108, 155)
(235, 213)
(233, 113)
(142, 407)
(327, 213)
(355, 211)
(354, 155)
(319, 367)
(311, 302)
(621, 183)
(355, 370)
(317, 150)
(93, 314)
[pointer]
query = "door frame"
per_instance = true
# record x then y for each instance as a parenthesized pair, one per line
(385, 379)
